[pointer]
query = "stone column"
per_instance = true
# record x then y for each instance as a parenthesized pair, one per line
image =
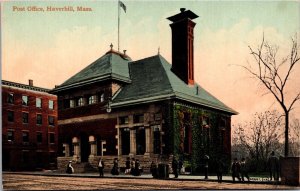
(132, 142)
(119, 141)
(76, 156)
(67, 149)
(148, 140)
(93, 144)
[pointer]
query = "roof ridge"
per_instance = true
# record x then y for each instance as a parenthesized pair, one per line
(160, 58)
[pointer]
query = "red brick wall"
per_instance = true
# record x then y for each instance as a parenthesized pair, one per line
(14, 149)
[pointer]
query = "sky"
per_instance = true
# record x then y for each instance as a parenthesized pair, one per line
(50, 47)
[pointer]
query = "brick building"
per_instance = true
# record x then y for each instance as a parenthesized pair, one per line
(29, 127)
(147, 109)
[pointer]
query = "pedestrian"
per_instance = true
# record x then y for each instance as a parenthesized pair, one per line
(137, 171)
(244, 170)
(206, 159)
(175, 167)
(180, 166)
(101, 167)
(153, 169)
(273, 164)
(127, 166)
(115, 169)
(132, 165)
(235, 169)
(70, 168)
(220, 168)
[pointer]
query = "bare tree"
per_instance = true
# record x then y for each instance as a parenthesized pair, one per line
(274, 75)
(260, 136)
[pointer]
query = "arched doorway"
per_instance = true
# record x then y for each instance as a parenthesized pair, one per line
(85, 149)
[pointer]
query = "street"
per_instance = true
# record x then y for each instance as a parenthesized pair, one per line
(37, 182)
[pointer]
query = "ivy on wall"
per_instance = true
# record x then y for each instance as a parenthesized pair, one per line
(204, 141)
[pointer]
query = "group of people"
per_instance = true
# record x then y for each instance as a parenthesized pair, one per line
(239, 169)
(133, 167)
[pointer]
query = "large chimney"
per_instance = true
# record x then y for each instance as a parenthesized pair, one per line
(30, 82)
(183, 45)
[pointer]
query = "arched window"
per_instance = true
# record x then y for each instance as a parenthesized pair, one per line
(102, 97)
(92, 99)
(80, 102)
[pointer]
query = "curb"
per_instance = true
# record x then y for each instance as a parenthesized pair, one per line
(137, 177)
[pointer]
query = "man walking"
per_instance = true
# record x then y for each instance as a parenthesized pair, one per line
(235, 169)
(273, 164)
(244, 170)
(175, 166)
(101, 167)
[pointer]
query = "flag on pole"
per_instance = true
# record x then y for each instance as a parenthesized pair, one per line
(122, 5)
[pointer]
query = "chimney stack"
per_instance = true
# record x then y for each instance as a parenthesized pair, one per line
(30, 82)
(183, 45)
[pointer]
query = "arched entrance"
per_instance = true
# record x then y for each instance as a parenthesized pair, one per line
(85, 149)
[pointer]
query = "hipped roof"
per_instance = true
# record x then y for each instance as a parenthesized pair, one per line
(144, 81)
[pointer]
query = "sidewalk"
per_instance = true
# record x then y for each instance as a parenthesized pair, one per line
(254, 180)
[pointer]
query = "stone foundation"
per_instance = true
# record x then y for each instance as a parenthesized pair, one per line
(290, 170)
(92, 165)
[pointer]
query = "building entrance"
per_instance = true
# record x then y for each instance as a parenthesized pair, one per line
(140, 141)
(125, 141)
(85, 149)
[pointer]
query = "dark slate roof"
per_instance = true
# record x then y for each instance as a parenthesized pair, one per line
(153, 80)
(113, 65)
(24, 86)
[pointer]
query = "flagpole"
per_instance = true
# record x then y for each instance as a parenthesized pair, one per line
(118, 25)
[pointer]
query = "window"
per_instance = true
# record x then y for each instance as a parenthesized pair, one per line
(25, 135)
(138, 118)
(102, 97)
(72, 103)
(51, 138)
(66, 103)
(51, 120)
(10, 98)
(10, 116)
(25, 100)
(39, 119)
(92, 99)
(10, 136)
(38, 102)
(51, 104)
(25, 117)
(39, 137)
(80, 101)
(123, 120)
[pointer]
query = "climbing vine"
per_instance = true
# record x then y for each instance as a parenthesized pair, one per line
(202, 144)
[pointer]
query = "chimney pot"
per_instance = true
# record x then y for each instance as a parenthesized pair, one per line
(182, 10)
(30, 82)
